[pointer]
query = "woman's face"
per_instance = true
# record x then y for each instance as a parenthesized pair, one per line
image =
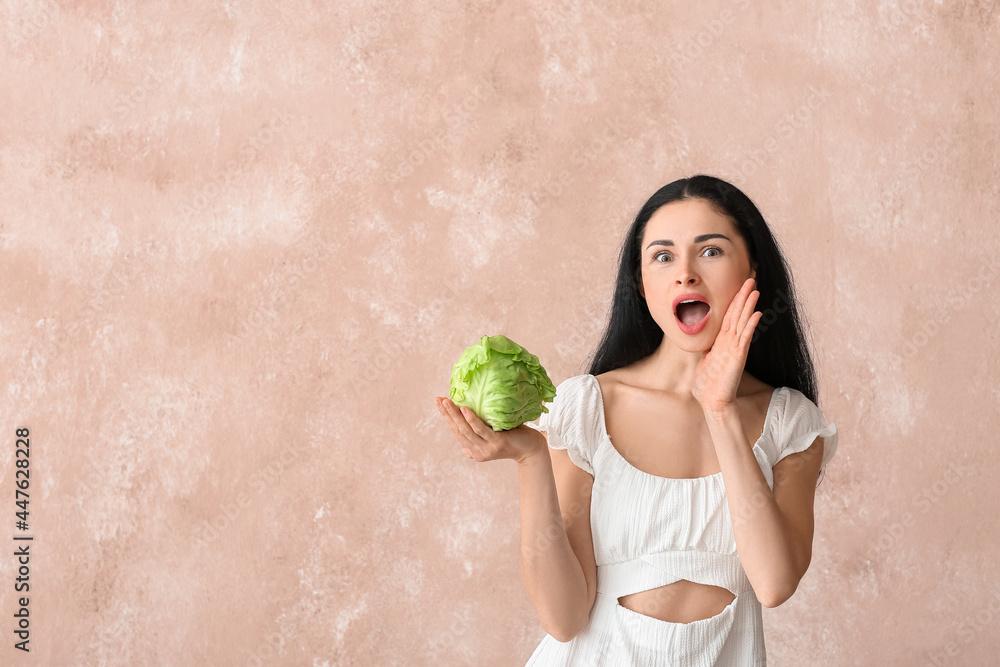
(689, 248)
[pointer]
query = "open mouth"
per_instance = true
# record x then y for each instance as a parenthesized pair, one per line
(692, 314)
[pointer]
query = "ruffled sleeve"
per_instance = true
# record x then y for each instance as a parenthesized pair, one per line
(568, 423)
(801, 423)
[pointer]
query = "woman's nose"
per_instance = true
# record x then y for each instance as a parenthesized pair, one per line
(686, 274)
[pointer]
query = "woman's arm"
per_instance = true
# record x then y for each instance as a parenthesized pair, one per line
(557, 548)
(773, 530)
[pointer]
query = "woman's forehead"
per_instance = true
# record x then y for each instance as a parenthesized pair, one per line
(682, 220)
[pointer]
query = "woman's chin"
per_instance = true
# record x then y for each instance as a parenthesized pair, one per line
(693, 344)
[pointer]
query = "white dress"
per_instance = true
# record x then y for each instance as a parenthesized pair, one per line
(650, 531)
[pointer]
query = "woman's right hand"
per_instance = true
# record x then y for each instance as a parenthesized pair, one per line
(481, 443)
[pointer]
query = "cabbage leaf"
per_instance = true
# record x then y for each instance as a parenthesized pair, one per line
(501, 382)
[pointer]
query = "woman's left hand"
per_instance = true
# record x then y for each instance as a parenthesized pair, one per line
(718, 374)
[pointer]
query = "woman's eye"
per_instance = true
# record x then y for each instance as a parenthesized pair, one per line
(713, 249)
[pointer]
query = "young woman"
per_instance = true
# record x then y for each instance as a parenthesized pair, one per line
(672, 494)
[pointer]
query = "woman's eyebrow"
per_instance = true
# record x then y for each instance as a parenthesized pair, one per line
(697, 239)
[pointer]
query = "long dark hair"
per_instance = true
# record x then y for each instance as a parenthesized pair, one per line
(779, 353)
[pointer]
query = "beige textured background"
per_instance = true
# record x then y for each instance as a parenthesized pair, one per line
(241, 245)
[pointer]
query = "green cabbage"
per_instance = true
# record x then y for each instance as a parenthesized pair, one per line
(501, 382)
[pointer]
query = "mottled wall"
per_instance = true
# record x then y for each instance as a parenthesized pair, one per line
(241, 245)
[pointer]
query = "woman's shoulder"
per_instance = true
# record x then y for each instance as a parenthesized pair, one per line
(573, 394)
(756, 391)
(572, 418)
(751, 384)
(794, 400)
(575, 383)
(617, 377)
